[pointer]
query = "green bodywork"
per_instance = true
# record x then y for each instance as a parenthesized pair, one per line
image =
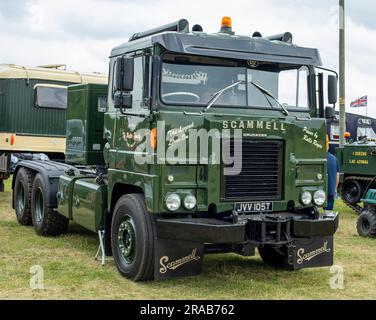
(303, 161)
(357, 159)
(83, 200)
(86, 106)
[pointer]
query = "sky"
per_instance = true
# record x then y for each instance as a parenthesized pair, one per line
(82, 33)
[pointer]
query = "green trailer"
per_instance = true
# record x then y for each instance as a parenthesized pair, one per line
(209, 143)
(357, 162)
(33, 103)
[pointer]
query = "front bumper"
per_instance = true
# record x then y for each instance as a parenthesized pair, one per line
(181, 243)
(272, 229)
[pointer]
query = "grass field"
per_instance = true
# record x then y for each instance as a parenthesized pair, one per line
(70, 271)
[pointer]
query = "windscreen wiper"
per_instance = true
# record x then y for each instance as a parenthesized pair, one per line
(268, 93)
(218, 94)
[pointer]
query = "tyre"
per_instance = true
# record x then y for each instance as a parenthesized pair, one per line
(352, 191)
(22, 196)
(46, 221)
(274, 257)
(133, 238)
(366, 224)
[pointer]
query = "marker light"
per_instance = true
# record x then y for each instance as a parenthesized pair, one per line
(153, 138)
(226, 22)
(12, 140)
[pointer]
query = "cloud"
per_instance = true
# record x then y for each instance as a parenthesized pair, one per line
(82, 33)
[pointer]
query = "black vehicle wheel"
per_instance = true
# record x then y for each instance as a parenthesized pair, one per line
(274, 257)
(366, 224)
(352, 192)
(46, 221)
(22, 196)
(132, 238)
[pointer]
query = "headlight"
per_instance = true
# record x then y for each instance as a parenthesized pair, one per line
(190, 202)
(173, 202)
(319, 198)
(306, 198)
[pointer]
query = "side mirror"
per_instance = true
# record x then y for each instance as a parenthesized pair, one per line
(123, 100)
(124, 74)
(332, 89)
(330, 113)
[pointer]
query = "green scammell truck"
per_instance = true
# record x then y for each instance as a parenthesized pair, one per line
(33, 103)
(210, 143)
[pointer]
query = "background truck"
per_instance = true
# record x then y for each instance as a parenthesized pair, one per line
(254, 176)
(357, 125)
(357, 162)
(33, 103)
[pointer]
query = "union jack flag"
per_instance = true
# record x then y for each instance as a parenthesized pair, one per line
(360, 103)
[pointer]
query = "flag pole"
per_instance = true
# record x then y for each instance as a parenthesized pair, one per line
(342, 90)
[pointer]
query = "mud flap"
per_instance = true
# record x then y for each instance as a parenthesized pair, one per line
(174, 258)
(312, 252)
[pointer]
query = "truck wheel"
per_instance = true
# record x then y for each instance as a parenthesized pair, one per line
(352, 191)
(132, 238)
(274, 257)
(366, 224)
(46, 221)
(22, 196)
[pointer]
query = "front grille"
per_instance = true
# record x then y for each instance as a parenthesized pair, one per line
(261, 173)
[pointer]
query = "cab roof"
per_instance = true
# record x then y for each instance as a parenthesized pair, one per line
(12, 71)
(225, 46)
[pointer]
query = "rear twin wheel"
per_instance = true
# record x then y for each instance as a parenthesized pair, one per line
(22, 196)
(46, 220)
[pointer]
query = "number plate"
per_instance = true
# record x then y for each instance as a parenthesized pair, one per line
(253, 207)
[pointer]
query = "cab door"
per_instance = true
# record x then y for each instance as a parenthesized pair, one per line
(133, 124)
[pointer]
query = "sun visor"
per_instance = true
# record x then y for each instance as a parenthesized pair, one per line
(238, 48)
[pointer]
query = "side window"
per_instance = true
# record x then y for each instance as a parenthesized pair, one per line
(334, 132)
(102, 104)
(293, 88)
(140, 83)
(50, 96)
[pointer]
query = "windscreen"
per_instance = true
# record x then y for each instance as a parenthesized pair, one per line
(195, 80)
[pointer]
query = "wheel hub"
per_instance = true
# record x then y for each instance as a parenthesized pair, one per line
(127, 239)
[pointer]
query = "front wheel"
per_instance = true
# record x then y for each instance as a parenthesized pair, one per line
(133, 238)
